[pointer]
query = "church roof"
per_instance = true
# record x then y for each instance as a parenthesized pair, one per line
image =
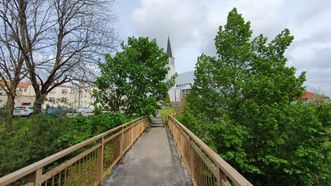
(185, 77)
(169, 52)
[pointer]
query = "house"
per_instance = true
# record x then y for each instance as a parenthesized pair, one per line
(61, 96)
(309, 96)
(24, 95)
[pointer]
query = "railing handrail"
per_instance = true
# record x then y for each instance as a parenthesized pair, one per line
(228, 170)
(9, 178)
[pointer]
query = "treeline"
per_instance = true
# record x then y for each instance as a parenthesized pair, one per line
(245, 103)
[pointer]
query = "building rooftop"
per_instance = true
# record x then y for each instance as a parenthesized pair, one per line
(311, 95)
(185, 77)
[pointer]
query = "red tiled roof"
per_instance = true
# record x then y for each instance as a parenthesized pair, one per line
(27, 83)
(23, 84)
(20, 84)
(310, 95)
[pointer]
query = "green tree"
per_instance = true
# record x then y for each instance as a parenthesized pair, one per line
(247, 99)
(134, 80)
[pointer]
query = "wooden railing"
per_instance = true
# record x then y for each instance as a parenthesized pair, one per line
(86, 163)
(204, 165)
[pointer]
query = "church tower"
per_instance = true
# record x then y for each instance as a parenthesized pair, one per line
(171, 72)
(171, 61)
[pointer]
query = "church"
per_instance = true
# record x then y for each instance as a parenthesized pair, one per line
(183, 82)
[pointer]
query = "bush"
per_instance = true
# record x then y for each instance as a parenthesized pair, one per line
(82, 128)
(40, 136)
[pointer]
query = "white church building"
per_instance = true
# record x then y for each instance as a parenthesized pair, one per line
(184, 81)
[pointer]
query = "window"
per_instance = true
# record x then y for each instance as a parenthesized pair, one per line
(64, 100)
(51, 100)
(26, 104)
(52, 92)
(64, 92)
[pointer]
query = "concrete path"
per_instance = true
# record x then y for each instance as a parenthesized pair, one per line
(152, 161)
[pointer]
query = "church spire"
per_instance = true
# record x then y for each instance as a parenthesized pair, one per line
(169, 52)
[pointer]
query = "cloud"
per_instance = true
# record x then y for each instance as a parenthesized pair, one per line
(193, 24)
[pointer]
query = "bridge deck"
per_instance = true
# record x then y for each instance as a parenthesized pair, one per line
(152, 161)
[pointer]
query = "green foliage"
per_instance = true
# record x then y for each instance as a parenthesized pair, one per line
(81, 128)
(133, 81)
(3, 113)
(166, 100)
(244, 104)
(164, 112)
(40, 136)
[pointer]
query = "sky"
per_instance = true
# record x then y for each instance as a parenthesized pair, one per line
(193, 24)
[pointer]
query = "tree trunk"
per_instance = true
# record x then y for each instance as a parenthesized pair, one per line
(10, 107)
(40, 98)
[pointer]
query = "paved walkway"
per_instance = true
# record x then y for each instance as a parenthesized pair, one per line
(152, 161)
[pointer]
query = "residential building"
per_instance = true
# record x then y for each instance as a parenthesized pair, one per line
(313, 97)
(60, 96)
(24, 95)
(83, 97)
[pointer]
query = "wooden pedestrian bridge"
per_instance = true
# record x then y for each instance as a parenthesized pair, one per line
(143, 152)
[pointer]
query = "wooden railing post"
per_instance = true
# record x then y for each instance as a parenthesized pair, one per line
(192, 158)
(37, 177)
(122, 146)
(100, 167)
(131, 133)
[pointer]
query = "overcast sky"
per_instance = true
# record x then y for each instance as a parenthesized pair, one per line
(192, 26)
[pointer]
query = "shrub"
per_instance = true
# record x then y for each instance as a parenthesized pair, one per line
(40, 136)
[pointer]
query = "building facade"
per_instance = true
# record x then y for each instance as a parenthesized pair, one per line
(61, 96)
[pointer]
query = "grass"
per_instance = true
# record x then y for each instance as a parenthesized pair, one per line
(165, 112)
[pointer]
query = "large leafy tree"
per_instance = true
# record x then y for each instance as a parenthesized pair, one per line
(134, 80)
(248, 98)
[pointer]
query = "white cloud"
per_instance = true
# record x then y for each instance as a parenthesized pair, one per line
(192, 25)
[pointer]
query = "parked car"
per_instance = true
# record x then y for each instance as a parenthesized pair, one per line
(53, 111)
(22, 111)
(84, 110)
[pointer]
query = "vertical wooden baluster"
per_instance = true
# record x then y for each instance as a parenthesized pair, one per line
(53, 181)
(131, 139)
(192, 161)
(72, 174)
(69, 174)
(59, 180)
(65, 176)
(88, 169)
(221, 181)
(83, 172)
(75, 173)
(94, 167)
(78, 172)
(100, 167)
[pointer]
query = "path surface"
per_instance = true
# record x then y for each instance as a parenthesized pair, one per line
(152, 161)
